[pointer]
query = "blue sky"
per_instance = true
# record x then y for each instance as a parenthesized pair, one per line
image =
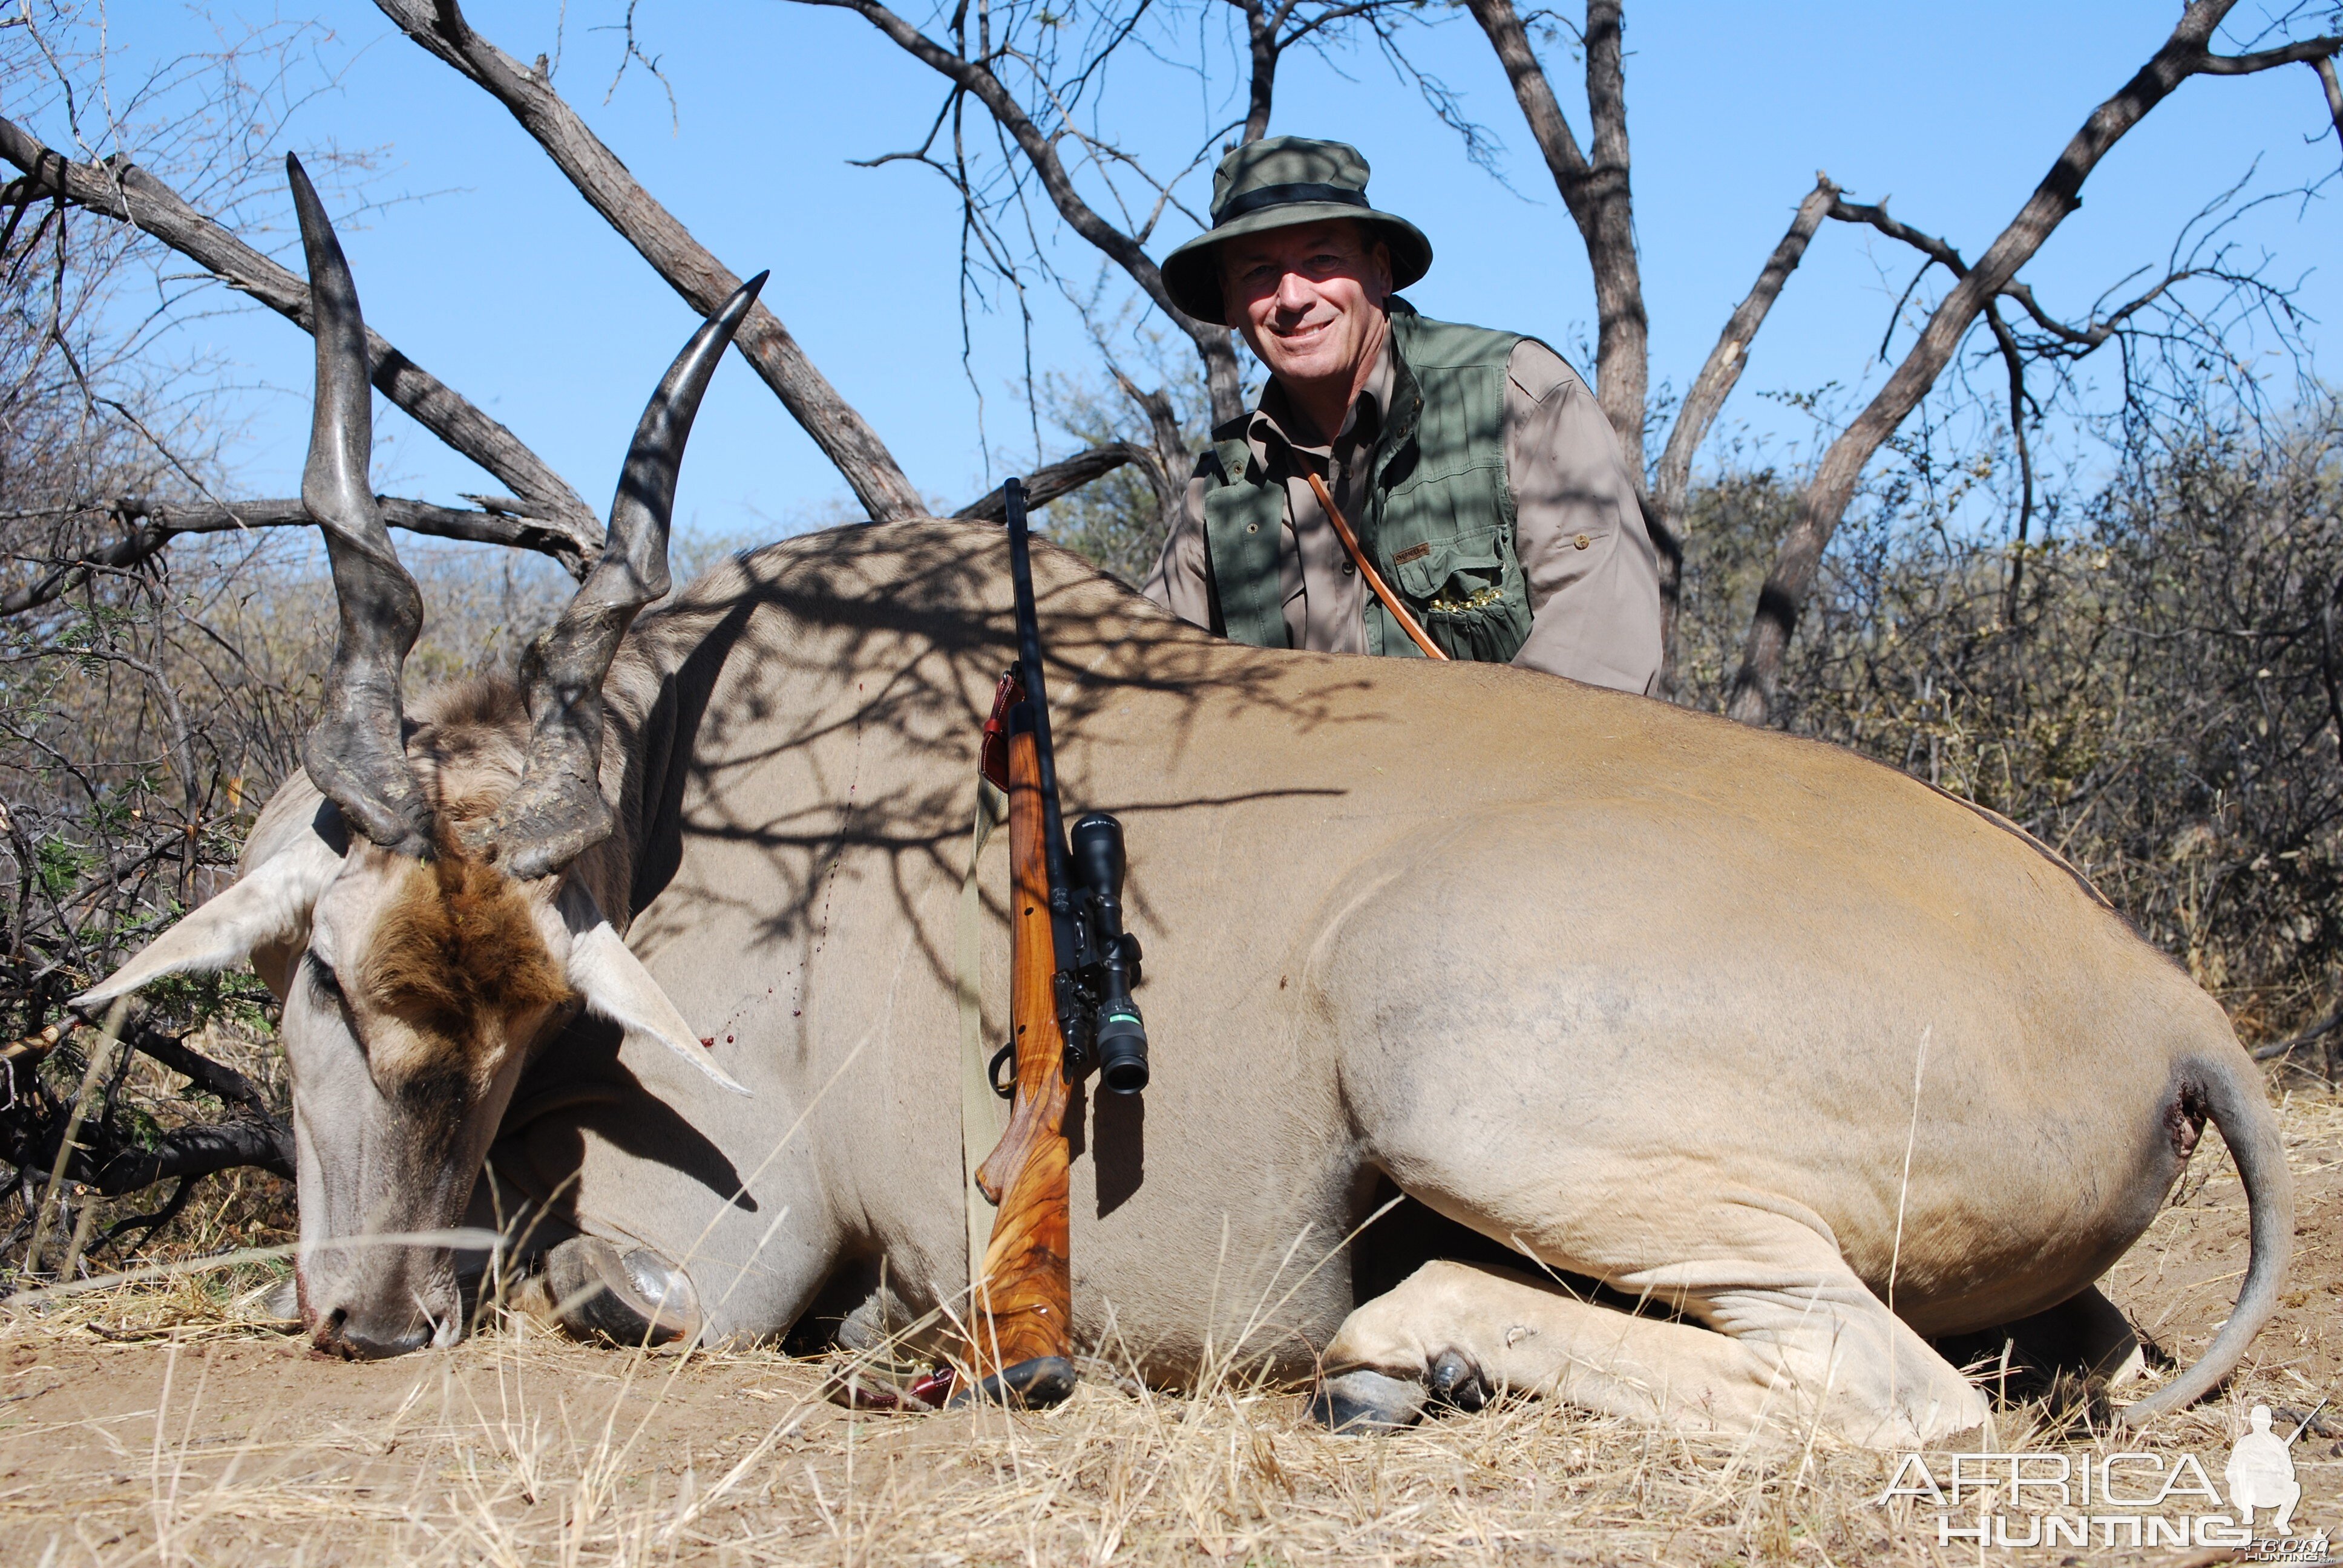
(500, 280)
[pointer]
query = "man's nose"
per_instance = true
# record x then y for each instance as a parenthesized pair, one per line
(1294, 293)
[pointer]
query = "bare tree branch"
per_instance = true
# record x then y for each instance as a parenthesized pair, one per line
(255, 1136)
(130, 195)
(1267, 41)
(1058, 479)
(2325, 66)
(1171, 454)
(1597, 191)
(1262, 45)
(975, 77)
(688, 267)
(2308, 51)
(148, 525)
(2063, 340)
(186, 1152)
(1710, 388)
(1826, 498)
(1927, 244)
(2294, 1043)
(1045, 485)
(2015, 361)
(2079, 339)
(221, 1081)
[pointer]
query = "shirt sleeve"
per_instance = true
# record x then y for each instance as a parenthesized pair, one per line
(1594, 576)
(1179, 582)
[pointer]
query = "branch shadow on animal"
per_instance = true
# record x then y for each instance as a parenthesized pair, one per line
(580, 1086)
(881, 644)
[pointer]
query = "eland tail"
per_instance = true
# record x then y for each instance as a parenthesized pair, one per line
(2228, 1091)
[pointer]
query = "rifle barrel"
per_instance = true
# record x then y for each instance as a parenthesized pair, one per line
(1029, 664)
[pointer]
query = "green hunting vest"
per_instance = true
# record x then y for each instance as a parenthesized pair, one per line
(1438, 518)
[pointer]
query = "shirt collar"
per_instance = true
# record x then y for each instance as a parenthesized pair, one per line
(1268, 427)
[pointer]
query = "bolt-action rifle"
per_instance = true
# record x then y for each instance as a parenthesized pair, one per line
(1071, 968)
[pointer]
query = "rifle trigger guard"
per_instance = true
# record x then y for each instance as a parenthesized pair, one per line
(1007, 1053)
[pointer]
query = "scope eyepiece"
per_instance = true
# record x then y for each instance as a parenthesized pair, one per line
(1121, 1039)
(1122, 1051)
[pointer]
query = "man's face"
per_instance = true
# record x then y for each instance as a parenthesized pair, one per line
(1310, 298)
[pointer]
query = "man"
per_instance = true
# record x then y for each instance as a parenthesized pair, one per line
(1482, 482)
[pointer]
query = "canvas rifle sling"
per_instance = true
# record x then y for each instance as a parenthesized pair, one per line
(983, 1117)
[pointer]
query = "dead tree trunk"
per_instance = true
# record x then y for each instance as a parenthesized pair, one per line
(1597, 193)
(1600, 196)
(1825, 500)
(130, 195)
(1672, 480)
(849, 442)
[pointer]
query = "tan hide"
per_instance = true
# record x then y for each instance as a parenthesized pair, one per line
(1742, 1023)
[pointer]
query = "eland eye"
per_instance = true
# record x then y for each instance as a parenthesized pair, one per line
(322, 976)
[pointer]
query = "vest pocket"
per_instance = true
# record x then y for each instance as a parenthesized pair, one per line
(1468, 593)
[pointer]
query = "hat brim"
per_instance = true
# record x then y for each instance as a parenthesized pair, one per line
(1192, 274)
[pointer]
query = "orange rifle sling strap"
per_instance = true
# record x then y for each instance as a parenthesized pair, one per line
(1374, 578)
(1025, 1294)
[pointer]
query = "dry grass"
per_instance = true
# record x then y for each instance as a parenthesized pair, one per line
(217, 1441)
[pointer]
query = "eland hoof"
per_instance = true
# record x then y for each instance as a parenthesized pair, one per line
(590, 1291)
(1035, 1384)
(1455, 1383)
(1366, 1404)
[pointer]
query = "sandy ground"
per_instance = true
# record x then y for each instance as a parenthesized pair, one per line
(137, 1431)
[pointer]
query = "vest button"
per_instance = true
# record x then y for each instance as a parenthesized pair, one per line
(1253, 528)
(1349, 570)
(1581, 542)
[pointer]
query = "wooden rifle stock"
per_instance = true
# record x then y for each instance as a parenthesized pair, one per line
(1019, 1321)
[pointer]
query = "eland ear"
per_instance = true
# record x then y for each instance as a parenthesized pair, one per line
(617, 986)
(267, 907)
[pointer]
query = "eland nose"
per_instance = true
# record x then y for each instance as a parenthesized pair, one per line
(337, 1335)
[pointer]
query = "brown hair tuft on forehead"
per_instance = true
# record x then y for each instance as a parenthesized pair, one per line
(458, 946)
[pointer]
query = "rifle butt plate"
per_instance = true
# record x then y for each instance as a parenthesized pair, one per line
(1034, 1384)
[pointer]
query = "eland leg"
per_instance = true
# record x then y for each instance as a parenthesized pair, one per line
(1792, 1353)
(2084, 1338)
(2086, 1334)
(647, 1226)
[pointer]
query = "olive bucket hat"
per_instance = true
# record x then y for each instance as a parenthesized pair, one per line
(1277, 183)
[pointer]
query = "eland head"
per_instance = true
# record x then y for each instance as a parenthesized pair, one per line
(421, 922)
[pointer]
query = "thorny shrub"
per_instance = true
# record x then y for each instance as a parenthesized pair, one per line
(2163, 707)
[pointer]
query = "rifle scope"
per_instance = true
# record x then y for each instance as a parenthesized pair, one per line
(1121, 1035)
(1097, 959)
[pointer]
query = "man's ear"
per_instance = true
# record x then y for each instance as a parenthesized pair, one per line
(267, 907)
(617, 986)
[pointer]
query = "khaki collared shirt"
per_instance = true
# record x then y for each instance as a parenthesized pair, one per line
(1594, 577)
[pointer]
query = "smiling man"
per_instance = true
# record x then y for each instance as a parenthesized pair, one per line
(1480, 480)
